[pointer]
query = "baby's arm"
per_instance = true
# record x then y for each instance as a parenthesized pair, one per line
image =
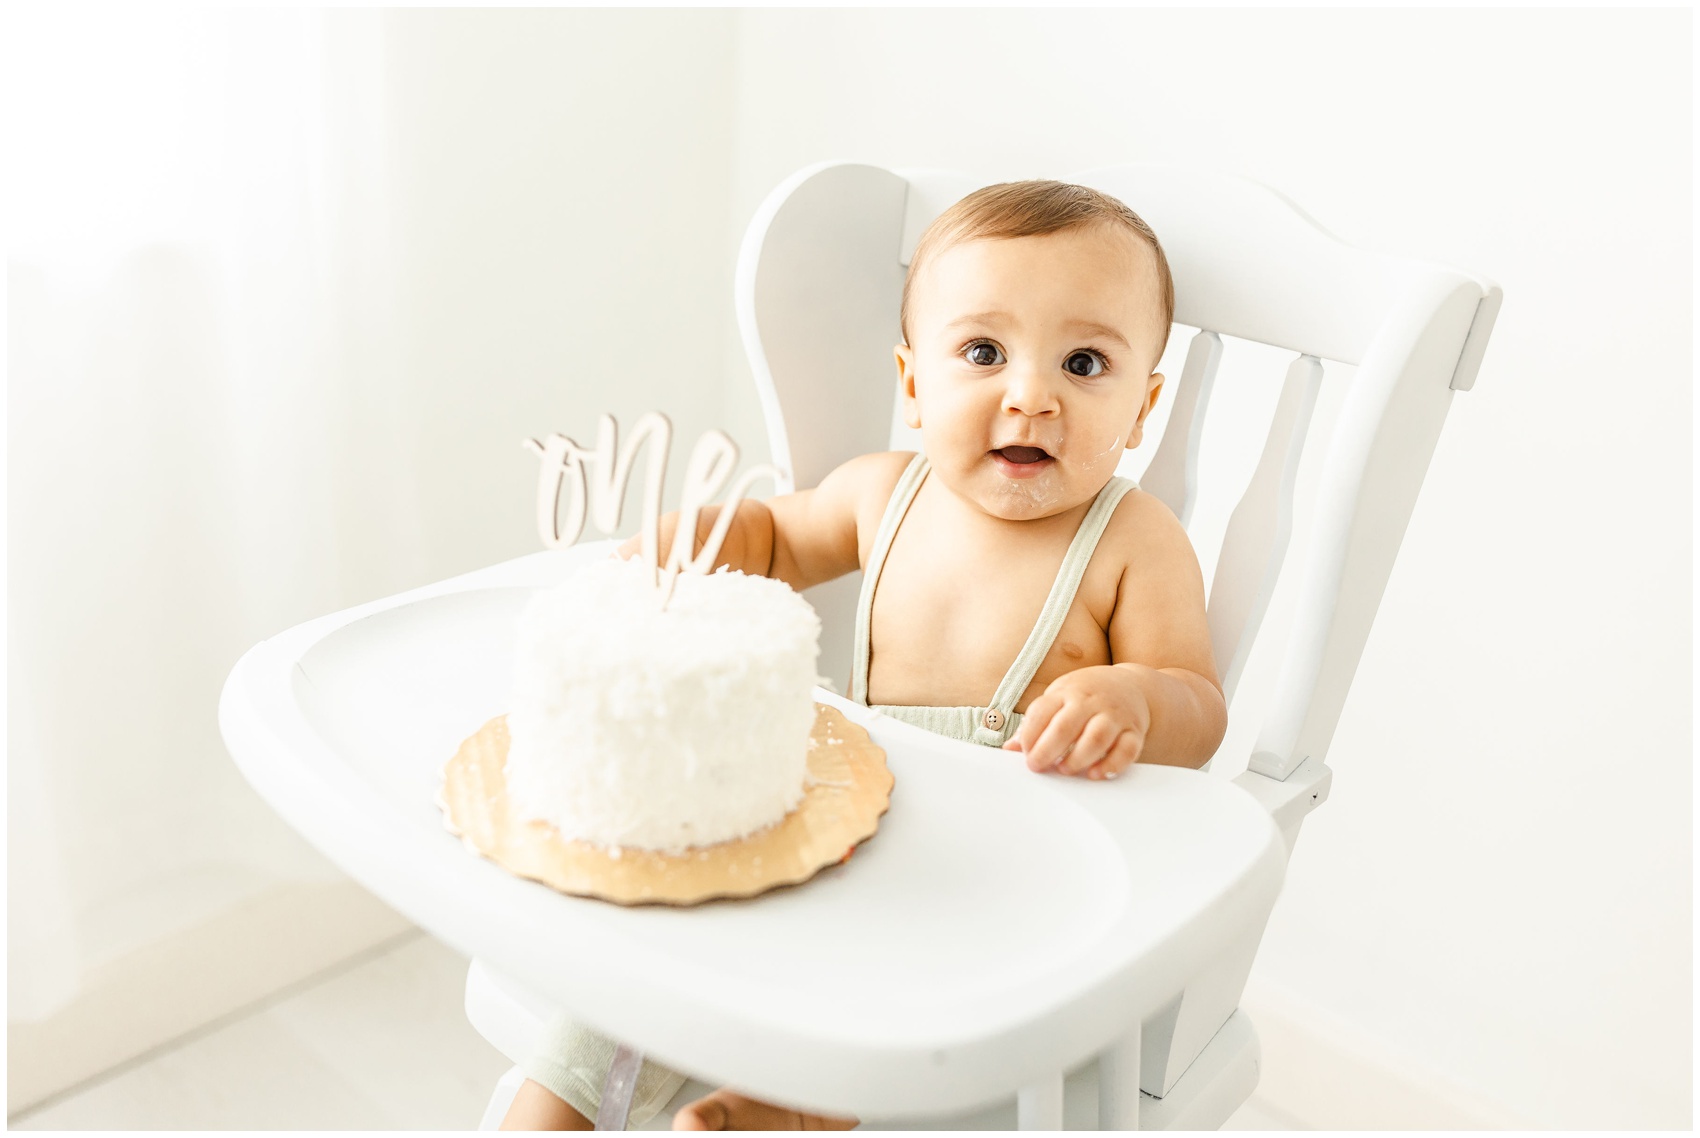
(1159, 702)
(803, 538)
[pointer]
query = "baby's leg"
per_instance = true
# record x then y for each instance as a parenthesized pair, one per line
(564, 1076)
(536, 1107)
(727, 1110)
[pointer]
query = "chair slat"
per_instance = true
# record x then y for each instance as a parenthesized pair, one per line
(1260, 526)
(1173, 473)
(1378, 452)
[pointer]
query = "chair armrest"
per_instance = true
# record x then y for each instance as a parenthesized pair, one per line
(1288, 800)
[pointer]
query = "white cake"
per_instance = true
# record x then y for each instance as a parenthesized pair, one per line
(631, 726)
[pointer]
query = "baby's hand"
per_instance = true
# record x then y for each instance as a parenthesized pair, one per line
(1091, 721)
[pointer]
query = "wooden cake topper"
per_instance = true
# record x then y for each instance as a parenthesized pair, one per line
(712, 461)
(848, 788)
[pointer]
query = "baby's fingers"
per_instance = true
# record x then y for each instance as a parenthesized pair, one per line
(1054, 742)
(1033, 724)
(1124, 752)
(1092, 746)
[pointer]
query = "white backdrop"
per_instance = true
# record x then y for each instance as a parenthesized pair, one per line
(285, 289)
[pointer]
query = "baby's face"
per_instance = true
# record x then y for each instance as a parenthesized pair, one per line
(1029, 370)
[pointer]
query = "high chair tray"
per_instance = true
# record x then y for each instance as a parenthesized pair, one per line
(999, 923)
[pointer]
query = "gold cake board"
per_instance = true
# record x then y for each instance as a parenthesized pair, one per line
(849, 789)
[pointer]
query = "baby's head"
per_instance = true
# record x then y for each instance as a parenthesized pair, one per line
(1033, 318)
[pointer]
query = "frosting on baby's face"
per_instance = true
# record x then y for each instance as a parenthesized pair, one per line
(1029, 370)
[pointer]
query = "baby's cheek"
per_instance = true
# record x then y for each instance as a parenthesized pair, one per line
(1104, 449)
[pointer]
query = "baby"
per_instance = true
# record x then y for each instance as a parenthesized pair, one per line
(1015, 592)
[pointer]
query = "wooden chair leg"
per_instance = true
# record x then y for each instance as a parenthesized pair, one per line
(1118, 1084)
(1040, 1106)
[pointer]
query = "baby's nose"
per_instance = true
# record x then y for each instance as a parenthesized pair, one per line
(1029, 393)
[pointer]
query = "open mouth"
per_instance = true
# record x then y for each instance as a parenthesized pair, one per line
(1022, 462)
(1022, 456)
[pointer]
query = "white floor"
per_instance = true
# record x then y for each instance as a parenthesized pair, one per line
(380, 1044)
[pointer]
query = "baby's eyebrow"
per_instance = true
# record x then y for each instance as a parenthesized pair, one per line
(1085, 325)
(979, 318)
(1101, 330)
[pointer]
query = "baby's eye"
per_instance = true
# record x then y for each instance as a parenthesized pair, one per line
(1082, 364)
(984, 352)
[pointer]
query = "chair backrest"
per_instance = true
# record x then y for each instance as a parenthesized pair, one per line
(819, 280)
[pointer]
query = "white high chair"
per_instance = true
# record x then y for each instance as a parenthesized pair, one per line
(950, 966)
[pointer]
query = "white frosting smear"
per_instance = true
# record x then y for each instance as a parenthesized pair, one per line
(662, 729)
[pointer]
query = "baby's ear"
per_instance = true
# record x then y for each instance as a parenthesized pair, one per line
(1153, 388)
(906, 385)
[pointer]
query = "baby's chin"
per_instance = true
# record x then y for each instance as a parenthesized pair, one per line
(1027, 499)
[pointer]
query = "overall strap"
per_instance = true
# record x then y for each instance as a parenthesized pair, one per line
(1061, 598)
(901, 496)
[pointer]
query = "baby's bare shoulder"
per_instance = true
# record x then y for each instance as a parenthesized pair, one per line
(865, 482)
(885, 466)
(1146, 543)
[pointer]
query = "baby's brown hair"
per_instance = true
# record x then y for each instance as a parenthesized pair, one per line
(1031, 209)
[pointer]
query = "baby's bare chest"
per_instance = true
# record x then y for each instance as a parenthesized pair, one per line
(951, 616)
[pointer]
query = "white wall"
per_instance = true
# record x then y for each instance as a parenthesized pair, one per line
(561, 194)
(287, 289)
(1495, 906)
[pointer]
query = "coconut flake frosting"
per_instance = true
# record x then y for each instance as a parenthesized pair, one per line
(658, 729)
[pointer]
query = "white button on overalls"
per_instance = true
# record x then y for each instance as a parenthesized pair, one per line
(993, 719)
